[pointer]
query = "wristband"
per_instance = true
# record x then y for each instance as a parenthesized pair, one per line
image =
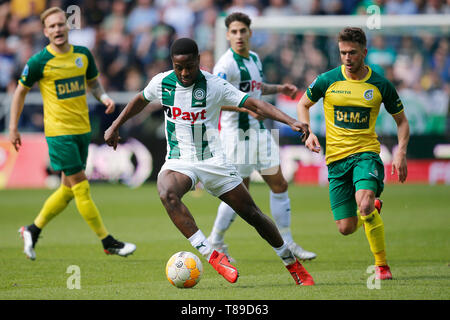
(103, 97)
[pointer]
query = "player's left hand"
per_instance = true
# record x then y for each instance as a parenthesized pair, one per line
(289, 90)
(399, 164)
(110, 105)
(301, 127)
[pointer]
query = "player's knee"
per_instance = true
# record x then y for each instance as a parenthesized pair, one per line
(346, 226)
(366, 206)
(366, 201)
(168, 197)
(346, 230)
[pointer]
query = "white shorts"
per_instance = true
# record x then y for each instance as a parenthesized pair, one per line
(217, 177)
(255, 149)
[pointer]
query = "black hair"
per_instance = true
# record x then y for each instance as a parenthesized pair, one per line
(184, 46)
(238, 16)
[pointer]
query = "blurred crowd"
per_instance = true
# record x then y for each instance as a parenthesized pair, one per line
(130, 39)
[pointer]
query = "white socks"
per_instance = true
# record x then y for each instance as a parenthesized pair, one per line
(285, 254)
(280, 208)
(225, 216)
(199, 242)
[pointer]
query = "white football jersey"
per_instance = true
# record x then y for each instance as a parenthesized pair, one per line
(192, 113)
(246, 75)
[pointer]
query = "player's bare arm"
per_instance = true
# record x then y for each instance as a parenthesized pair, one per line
(267, 110)
(312, 143)
(287, 89)
(237, 109)
(399, 163)
(17, 104)
(233, 108)
(99, 93)
(135, 106)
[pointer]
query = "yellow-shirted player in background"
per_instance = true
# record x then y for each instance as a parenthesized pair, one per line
(352, 94)
(63, 71)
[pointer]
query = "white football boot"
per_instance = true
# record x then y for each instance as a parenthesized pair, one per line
(301, 253)
(28, 245)
(120, 248)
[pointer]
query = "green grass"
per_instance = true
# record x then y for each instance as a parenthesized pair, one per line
(417, 221)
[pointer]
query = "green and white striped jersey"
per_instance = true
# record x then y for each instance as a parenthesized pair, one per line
(192, 113)
(246, 75)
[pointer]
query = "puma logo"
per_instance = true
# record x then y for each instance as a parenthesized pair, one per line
(199, 246)
(225, 266)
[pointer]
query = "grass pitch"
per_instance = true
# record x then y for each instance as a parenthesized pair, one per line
(417, 222)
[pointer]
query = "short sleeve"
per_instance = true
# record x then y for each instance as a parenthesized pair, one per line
(317, 89)
(31, 73)
(391, 100)
(91, 71)
(221, 71)
(227, 70)
(230, 96)
(150, 92)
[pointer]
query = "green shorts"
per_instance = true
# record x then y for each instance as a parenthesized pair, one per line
(69, 153)
(359, 171)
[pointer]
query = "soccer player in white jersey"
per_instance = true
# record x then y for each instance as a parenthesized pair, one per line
(243, 69)
(192, 100)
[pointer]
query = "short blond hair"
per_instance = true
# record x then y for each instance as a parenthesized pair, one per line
(50, 11)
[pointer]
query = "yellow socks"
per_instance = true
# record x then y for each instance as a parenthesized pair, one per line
(88, 209)
(360, 221)
(54, 204)
(374, 228)
(59, 200)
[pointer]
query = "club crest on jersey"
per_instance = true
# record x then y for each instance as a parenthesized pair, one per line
(368, 94)
(79, 62)
(199, 94)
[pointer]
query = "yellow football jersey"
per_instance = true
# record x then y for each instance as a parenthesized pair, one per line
(62, 80)
(351, 108)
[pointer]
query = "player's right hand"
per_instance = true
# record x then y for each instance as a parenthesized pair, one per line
(14, 137)
(312, 143)
(301, 127)
(112, 137)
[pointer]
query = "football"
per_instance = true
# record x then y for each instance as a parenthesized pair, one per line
(184, 269)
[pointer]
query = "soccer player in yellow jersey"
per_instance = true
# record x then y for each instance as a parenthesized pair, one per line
(352, 94)
(63, 72)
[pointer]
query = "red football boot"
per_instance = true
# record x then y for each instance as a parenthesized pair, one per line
(300, 275)
(220, 262)
(383, 273)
